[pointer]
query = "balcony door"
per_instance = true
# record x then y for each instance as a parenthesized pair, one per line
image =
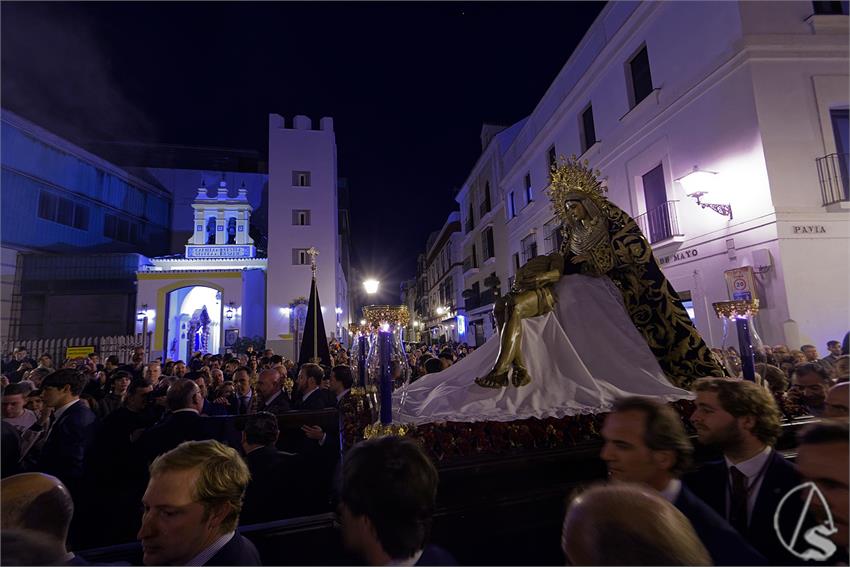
(841, 130)
(655, 197)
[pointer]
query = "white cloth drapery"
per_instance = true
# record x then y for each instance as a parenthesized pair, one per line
(581, 358)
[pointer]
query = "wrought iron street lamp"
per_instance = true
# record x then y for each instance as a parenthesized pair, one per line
(697, 184)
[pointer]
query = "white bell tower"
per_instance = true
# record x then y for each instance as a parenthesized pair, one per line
(221, 225)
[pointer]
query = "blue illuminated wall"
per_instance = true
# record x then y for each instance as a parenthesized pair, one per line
(57, 197)
(72, 228)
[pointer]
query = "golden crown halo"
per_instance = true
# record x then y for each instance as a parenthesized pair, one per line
(572, 177)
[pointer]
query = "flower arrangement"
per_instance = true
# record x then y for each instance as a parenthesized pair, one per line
(450, 440)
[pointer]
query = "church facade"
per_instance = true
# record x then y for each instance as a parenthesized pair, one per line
(213, 294)
(219, 290)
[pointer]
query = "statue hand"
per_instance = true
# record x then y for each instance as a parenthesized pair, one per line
(579, 259)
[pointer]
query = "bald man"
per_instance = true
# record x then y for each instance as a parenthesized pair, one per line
(838, 402)
(628, 524)
(272, 397)
(40, 503)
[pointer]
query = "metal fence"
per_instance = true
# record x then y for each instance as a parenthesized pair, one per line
(833, 177)
(121, 346)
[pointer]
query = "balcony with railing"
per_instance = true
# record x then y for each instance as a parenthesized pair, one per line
(832, 173)
(660, 224)
(473, 301)
(470, 265)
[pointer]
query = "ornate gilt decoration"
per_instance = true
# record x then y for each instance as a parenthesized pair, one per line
(376, 315)
(380, 430)
(736, 309)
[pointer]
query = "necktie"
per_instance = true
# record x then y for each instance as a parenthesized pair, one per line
(50, 423)
(243, 405)
(738, 501)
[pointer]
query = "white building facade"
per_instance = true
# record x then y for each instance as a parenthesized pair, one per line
(753, 94)
(484, 242)
(303, 214)
(444, 269)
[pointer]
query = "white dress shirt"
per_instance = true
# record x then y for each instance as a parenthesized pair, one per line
(58, 413)
(215, 547)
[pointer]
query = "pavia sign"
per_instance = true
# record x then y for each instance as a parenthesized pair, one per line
(220, 251)
(679, 256)
(809, 229)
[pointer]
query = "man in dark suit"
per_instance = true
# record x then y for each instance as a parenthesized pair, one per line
(266, 499)
(272, 397)
(350, 423)
(646, 443)
(116, 468)
(244, 400)
(388, 493)
(192, 505)
(67, 430)
(184, 422)
(742, 420)
(319, 448)
(308, 383)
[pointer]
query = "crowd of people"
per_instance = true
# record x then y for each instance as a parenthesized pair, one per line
(96, 454)
(99, 427)
(428, 359)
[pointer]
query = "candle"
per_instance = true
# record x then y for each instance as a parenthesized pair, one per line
(361, 361)
(745, 344)
(384, 348)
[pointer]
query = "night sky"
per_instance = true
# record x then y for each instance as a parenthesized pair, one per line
(408, 85)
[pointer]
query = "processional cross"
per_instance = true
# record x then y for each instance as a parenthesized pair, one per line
(312, 252)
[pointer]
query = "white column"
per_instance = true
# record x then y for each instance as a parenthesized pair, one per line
(242, 227)
(199, 234)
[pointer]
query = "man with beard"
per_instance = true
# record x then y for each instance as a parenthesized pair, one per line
(742, 420)
(308, 383)
(834, 348)
(810, 383)
(646, 443)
